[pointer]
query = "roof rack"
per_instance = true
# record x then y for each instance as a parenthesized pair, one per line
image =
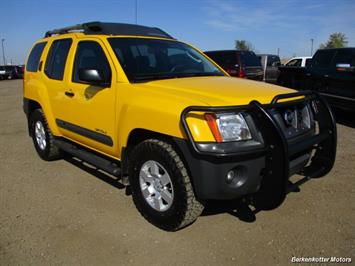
(97, 27)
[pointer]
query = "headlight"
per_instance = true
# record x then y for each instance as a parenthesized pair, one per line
(228, 127)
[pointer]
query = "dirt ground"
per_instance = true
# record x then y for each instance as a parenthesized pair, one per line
(63, 213)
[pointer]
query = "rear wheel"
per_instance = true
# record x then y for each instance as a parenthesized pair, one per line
(161, 187)
(42, 137)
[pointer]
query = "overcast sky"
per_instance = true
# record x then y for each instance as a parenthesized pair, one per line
(207, 24)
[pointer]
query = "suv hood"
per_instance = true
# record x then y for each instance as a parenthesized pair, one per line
(216, 91)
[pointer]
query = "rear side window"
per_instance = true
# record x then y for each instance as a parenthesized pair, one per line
(35, 56)
(57, 58)
(272, 59)
(295, 63)
(90, 55)
(345, 57)
(323, 58)
(249, 59)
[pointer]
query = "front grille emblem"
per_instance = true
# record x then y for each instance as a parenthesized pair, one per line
(290, 117)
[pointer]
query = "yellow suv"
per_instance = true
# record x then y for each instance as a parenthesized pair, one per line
(135, 102)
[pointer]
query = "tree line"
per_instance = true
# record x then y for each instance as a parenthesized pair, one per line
(336, 40)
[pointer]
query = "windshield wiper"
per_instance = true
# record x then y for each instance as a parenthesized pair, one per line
(200, 74)
(143, 78)
(152, 77)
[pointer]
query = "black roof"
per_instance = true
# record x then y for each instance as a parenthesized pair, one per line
(343, 48)
(104, 28)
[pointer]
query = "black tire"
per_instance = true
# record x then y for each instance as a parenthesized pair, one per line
(50, 152)
(185, 208)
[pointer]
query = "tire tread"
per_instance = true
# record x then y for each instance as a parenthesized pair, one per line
(193, 208)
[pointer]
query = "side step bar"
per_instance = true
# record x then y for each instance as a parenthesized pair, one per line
(89, 157)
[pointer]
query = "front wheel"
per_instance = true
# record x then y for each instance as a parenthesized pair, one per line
(161, 187)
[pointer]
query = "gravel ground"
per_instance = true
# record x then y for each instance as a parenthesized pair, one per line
(63, 213)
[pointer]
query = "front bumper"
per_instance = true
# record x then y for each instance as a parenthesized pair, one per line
(262, 168)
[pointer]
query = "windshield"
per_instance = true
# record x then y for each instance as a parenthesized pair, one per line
(150, 59)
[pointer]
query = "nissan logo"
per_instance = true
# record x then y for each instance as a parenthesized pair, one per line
(289, 117)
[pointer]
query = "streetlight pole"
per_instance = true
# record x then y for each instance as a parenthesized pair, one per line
(312, 46)
(136, 7)
(3, 51)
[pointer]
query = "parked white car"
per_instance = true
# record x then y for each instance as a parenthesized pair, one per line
(300, 61)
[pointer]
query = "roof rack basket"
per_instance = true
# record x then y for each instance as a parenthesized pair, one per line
(101, 28)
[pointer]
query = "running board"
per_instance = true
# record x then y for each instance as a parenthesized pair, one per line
(89, 157)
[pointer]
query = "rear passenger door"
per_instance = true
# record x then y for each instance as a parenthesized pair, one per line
(92, 120)
(342, 82)
(321, 74)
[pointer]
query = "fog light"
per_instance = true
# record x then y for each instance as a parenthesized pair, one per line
(230, 176)
(237, 176)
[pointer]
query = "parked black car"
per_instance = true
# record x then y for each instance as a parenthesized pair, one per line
(270, 64)
(242, 64)
(12, 72)
(331, 73)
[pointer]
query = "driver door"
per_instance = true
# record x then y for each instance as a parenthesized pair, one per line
(92, 121)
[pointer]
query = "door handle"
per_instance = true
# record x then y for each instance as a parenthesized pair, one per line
(40, 66)
(69, 93)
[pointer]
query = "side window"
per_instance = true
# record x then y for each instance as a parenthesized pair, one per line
(56, 59)
(295, 62)
(344, 57)
(323, 58)
(90, 55)
(35, 56)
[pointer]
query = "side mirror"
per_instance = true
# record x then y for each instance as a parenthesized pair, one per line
(276, 64)
(344, 67)
(92, 76)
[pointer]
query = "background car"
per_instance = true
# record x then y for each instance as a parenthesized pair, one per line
(300, 61)
(241, 64)
(270, 64)
(12, 72)
(331, 72)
